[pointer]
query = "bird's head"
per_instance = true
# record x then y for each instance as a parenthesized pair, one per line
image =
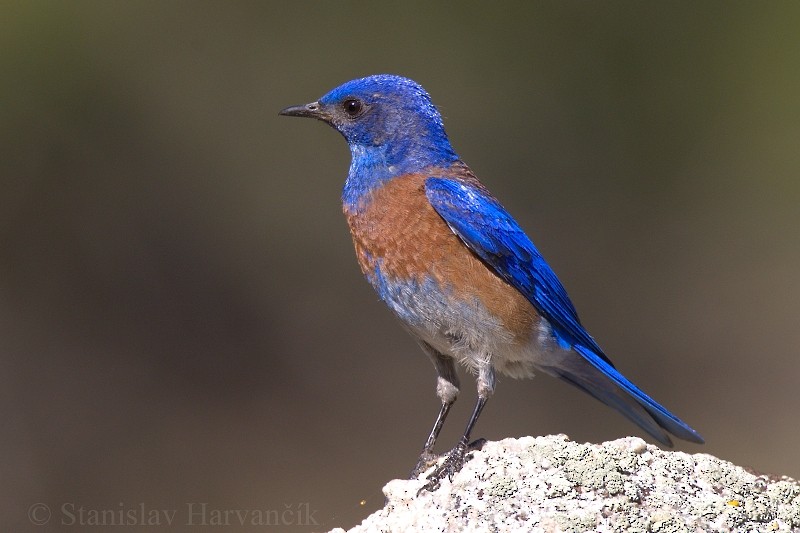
(385, 118)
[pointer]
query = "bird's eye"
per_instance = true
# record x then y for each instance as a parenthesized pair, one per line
(352, 107)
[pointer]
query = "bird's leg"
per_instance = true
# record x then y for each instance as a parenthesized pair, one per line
(455, 459)
(427, 457)
(447, 391)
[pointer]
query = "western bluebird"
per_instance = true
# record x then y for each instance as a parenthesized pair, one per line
(456, 268)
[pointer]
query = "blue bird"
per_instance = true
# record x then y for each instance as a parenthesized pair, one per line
(455, 267)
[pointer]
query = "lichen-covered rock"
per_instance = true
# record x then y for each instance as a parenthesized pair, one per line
(551, 484)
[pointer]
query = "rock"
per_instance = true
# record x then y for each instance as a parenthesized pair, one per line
(551, 484)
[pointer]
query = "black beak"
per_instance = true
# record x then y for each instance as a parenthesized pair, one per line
(313, 110)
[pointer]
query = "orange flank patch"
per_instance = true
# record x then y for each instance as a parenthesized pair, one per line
(398, 226)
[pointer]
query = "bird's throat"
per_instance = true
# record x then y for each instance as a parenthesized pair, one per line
(372, 166)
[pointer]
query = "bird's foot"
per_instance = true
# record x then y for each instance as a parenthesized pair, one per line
(451, 465)
(426, 460)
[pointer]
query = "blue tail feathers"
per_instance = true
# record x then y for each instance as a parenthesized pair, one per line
(656, 412)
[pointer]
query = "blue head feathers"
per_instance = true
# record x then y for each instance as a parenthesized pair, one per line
(390, 124)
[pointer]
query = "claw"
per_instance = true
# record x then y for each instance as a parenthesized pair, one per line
(426, 460)
(449, 467)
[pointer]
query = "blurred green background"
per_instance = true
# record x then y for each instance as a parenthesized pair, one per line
(181, 314)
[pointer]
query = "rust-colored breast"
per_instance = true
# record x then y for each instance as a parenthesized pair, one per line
(398, 228)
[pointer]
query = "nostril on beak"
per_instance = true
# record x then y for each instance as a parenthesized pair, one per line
(313, 110)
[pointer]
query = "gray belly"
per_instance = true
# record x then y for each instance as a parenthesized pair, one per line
(463, 329)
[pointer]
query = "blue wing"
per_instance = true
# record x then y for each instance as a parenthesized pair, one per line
(490, 232)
